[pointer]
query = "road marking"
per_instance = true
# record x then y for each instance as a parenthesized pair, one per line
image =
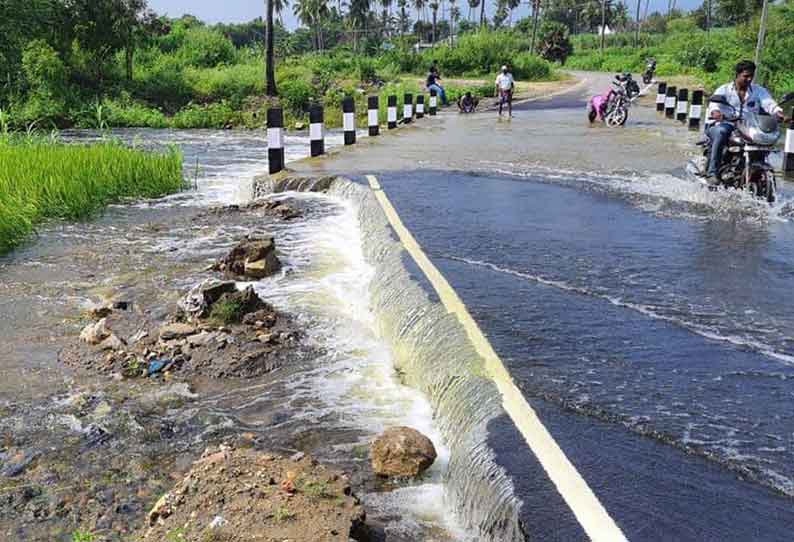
(590, 513)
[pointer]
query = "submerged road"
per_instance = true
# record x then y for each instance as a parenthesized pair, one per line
(646, 321)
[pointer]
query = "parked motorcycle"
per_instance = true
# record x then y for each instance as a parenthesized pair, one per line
(650, 71)
(745, 162)
(612, 108)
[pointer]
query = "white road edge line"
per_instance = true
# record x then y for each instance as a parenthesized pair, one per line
(589, 511)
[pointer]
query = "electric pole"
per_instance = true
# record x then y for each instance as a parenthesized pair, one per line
(535, 14)
(708, 16)
(761, 35)
(603, 23)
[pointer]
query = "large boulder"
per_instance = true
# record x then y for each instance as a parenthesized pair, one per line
(254, 257)
(402, 451)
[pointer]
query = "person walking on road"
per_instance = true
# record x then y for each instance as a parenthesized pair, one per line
(504, 89)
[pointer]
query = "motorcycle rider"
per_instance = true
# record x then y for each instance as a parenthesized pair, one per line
(743, 96)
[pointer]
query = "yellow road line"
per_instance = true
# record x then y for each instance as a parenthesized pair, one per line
(590, 513)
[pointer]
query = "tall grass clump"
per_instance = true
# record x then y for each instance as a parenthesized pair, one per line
(41, 179)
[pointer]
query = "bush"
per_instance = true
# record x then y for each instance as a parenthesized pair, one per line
(297, 94)
(218, 115)
(529, 67)
(46, 78)
(205, 48)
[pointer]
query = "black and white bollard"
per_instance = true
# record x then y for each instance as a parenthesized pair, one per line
(683, 105)
(661, 94)
(696, 110)
(433, 102)
(275, 139)
(788, 151)
(391, 112)
(420, 106)
(316, 130)
(372, 115)
(349, 120)
(669, 103)
(408, 108)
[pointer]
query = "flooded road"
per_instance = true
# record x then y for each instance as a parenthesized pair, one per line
(646, 319)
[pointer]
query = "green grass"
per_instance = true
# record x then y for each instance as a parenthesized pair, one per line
(42, 179)
(226, 311)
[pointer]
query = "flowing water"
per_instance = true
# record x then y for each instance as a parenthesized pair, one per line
(332, 403)
(645, 319)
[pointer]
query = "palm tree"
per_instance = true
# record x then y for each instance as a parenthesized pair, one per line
(419, 5)
(482, 12)
(473, 4)
(454, 16)
(434, 9)
(311, 13)
(279, 6)
(359, 11)
(386, 12)
(511, 5)
(403, 5)
(270, 70)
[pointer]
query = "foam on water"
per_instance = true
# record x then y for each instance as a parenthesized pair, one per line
(664, 194)
(354, 385)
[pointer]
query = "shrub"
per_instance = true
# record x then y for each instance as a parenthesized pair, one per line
(205, 48)
(46, 77)
(530, 67)
(297, 94)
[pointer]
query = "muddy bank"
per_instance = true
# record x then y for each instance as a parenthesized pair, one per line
(241, 495)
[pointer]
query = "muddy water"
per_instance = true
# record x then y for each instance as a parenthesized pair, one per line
(124, 439)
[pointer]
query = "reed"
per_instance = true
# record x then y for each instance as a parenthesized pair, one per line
(41, 178)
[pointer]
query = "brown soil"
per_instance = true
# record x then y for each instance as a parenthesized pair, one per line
(242, 495)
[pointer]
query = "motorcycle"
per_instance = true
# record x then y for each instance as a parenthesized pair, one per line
(613, 107)
(745, 162)
(650, 71)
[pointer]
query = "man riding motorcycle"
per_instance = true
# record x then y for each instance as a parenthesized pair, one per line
(743, 96)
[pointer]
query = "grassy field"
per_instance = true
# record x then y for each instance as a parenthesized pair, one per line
(41, 179)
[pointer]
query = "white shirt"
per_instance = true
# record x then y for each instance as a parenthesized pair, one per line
(755, 98)
(505, 81)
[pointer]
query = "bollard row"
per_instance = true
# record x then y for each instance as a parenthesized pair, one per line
(275, 123)
(675, 104)
(788, 150)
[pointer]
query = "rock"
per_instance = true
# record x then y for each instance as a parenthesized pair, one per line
(402, 451)
(201, 339)
(254, 257)
(248, 302)
(217, 521)
(99, 310)
(286, 212)
(95, 333)
(176, 331)
(160, 510)
(111, 343)
(197, 302)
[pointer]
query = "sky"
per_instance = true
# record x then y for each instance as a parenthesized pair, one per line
(236, 11)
